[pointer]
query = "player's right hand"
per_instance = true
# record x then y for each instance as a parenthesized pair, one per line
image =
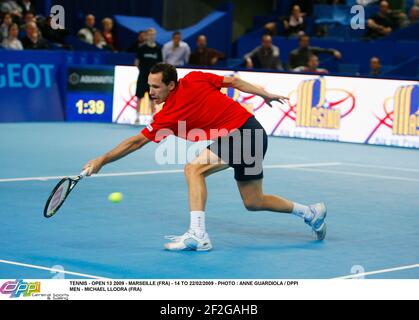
(93, 166)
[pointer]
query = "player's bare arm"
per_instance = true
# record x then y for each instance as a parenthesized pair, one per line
(247, 87)
(124, 148)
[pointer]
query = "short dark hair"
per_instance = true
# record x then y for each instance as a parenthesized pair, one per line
(168, 71)
(176, 33)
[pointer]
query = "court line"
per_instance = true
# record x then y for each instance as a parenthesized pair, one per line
(302, 165)
(296, 166)
(50, 269)
(413, 266)
(380, 167)
(358, 174)
(140, 173)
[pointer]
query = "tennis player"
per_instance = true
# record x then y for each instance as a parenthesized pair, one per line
(195, 109)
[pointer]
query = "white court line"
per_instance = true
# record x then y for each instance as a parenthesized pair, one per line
(301, 165)
(32, 266)
(100, 175)
(358, 174)
(361, 165)
(141, 173)
(358, 275)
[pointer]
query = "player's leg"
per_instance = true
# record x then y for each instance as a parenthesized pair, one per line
(202, 166)
(196, 238)
(254, 199)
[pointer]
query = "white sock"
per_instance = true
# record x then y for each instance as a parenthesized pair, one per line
(302, 211)
(198, 223)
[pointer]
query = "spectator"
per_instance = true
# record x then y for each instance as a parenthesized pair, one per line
(204, 56)
(147, 56)
(312, 66)
(265, 56)
(141, 39)
(87, 33)
(299, 57)
(27, 18)
(375, 66)
(306, 6)
(294, 25)
(27, 6)
(99, 42)
(5, 26)
(12, 42)
(176, 52)
(11, 6)
(107, 33)
(52, 35)
(413, 15)
(32, 40)
(381, 23)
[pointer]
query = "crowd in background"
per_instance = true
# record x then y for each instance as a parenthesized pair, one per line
(21, 28)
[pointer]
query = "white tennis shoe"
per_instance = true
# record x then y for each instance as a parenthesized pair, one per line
(188, 242)
(318, 223)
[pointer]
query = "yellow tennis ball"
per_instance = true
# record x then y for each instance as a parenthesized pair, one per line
(115, 197)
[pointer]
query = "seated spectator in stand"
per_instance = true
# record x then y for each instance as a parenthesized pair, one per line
(299, 57)
(381, 23)
(107, 33)
(27, 6)
(12, 42)
(32, 40)
(141, 39)
(27, 18)
(375, 66)
(56, 36)
(294, 25)
(99, 41)
(5, 26)
(413, 15)
(312, 66)
(87, 33)
(10, 6)
(204, 56)
(265, 56)
(176, 52)
(306, 6)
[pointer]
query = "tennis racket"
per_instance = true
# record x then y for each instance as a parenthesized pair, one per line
(60, 193)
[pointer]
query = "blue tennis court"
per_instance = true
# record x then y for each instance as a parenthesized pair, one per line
(371, 193)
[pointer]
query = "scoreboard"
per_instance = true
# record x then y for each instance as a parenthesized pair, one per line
(89, 94)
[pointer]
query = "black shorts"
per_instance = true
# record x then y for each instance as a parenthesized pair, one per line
(243, 150)
(142, 86)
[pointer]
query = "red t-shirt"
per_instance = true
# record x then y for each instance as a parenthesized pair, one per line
(197, 110)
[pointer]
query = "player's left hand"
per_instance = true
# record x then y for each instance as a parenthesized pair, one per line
(274, 97)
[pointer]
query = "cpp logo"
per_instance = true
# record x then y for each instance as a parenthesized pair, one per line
(19, 287)
(29, 75)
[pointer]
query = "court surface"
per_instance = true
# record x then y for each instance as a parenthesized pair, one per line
(371, 193)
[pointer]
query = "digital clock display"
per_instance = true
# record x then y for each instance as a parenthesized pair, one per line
(89, 107)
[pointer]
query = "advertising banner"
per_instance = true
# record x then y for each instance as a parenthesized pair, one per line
(359, 110)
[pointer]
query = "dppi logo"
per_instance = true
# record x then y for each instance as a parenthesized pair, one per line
(403, 120)
(19, 287)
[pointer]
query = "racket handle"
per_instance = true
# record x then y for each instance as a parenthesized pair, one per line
(83, 173)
